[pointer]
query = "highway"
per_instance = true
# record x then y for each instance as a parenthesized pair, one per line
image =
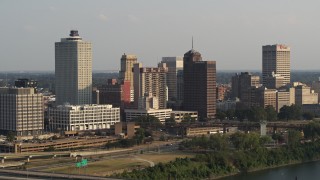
(18, 174)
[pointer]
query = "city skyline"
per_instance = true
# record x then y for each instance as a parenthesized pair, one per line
(231, 33)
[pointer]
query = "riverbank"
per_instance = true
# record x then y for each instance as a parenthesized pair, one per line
(215, 160)
(265, 168)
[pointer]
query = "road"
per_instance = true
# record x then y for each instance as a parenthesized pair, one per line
(18, 174)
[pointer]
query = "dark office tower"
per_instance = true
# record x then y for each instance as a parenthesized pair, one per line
(199, 85)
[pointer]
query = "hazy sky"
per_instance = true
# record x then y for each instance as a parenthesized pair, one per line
(230, 32)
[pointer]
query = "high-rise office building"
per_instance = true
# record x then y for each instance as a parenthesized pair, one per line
(126, 73)
(175, 68)
(73, 70)
(242, 83)
(21, 111)
(276, 59)
(150, 81)
(199, 80)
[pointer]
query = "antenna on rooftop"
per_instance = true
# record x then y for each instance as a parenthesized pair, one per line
(6, 79)
(192, 42)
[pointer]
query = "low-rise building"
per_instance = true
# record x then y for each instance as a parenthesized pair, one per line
(161, 114)
(82, 117)
(304, 95)
(178, 116)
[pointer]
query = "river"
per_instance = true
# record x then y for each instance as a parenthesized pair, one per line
(306, 171)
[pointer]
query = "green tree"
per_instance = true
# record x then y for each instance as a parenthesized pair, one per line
(240, 114)
(308, 115)
(230, 113)
(139, 135)
(312, 130)
(257, 114)
(170, 122)
(11, 136)
(187, 120)
(292, 112)
(221, 115)
(148, 121)
(271, 113)
(294, 138)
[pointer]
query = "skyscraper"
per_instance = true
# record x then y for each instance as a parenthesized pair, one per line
(151, 81)
(199, 78)
(175, 68)
(126, 73)
(276, 59)
(73, 70)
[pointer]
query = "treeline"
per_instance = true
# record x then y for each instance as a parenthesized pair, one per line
(220, 155)
(257, 114)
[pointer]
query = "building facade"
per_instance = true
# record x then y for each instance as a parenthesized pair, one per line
(175, 68)
(21, 111)
(274, 81)
(199, 81)
(115, 93)
(241, 84)
(285, 97)
(161, 114)
(73, 70)
(150, 81)
(82, 117)
(304, 95)
(126, 73)
(276, 59)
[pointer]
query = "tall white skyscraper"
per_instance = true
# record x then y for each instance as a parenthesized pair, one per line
(276, 60)
(73, 70)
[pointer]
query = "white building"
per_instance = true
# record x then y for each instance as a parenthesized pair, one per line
(83, 117)
(73, 70)
(161, 114)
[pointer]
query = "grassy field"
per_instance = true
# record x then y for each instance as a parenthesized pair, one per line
(117, 165)
(102, 168)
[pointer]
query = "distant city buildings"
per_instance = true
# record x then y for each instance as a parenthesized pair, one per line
(26, 83)
(73, 70)
(276, 59)
(21, 111)
(222, 92)
(82, 117)
(199, 81)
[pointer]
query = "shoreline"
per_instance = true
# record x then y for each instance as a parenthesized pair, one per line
(266, 168)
